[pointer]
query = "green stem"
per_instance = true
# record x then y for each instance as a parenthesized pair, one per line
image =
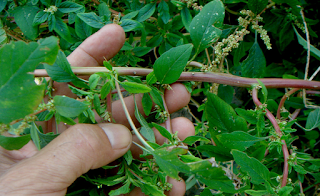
(136, 132)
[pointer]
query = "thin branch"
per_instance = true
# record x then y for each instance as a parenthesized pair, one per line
(283, 99)
(168, 121)
(208, 57)
(314, 74)
(277, 129)
(220, 78)
(135, 130)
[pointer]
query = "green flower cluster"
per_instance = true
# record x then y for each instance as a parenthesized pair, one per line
(223, 48)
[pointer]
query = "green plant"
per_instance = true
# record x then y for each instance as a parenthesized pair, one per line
(258, 144)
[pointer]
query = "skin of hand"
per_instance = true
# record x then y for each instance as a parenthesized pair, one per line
(82, 147)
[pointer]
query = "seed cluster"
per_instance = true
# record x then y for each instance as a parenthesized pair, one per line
(223, 48)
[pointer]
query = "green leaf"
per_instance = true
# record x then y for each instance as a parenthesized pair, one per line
(96, 103)
(128, 157)
(225, 92)
(163, 131)
(130, 15)
(110, 181)
(163, 9)
(93, 81)
(150, 189)
(3, 35)
(145, 130)
(14, 143)
(168, 160)
(18, 91)
(169, 66)
(39, 139)
(249, 115)
(24, 16)
(222, 117)
(256, 170)
(3, 4)
(255, 64)
(82, 29)
(122, 190)
(220, 153)
(130, 25)
(61, 70)
(63, 31)
(285, 191)
(264, 91)
(314, 51)
(156, 97)
(141, 51)
(286, 35)
(151, 78)
(68, 6)
(238, 140)
(104, 10)
(256, 6)
(146, 11)
(133, 87)
(51, 22)
(313, 120)
(68, 107)
(105, 90)
(91, 19)
(299, 169)
(257, 192)
(146, 103)
(40, 18)
(203, 28)
(193, 139)
(186, 18)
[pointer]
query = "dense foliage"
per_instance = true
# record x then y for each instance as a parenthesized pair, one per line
(250, 65)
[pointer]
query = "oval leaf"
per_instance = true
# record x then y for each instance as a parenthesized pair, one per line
(133, 87)
(171, 64)
(203, 28)
(19, 94)
(14, 143)
(68, 107)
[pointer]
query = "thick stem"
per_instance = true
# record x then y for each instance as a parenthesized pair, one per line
(220, 78)
(277, 128)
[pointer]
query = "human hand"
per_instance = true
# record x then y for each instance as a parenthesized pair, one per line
(83, 147)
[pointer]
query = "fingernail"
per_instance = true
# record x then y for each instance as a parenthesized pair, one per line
(119, 135)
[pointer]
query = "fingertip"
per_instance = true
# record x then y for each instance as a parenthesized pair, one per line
(177, 98)
(178, 187)
(119, 135)
(183, 126)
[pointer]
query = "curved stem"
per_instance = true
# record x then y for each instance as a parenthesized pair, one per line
(277, 128)
(283, 99)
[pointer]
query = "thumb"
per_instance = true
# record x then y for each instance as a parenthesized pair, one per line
(77, 150)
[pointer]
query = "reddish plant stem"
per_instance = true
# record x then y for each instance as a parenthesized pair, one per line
(277, 128)
(33, 114)
(220, 78)
(295, 114)
(313, 92)
(284, 98)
